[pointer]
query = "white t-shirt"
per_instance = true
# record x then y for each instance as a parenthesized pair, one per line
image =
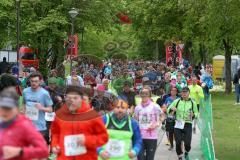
(79, 81)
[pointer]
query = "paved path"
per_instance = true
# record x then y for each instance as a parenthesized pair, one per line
(163, 153)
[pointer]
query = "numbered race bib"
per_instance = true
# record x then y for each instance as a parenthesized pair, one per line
(88, 86)
(31, 111)
(179, 124)
(115, 148)
(71, 146)
(50, 116)
(144, 121)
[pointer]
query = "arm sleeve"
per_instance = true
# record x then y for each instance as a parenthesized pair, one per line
(195, 109)
(136, 111)
(136, 139)
(173, 104)
(37, 147)
(55, 130)
(81, 81)
(100, 149)
(100, 136)
(48, 100)
(24, 96)
(201, 94)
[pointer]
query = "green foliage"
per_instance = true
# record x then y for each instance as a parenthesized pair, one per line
(46, 24)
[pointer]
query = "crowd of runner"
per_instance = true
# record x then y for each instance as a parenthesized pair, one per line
(111, 111)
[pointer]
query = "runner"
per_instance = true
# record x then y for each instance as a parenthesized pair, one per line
(19, 138)
(57, 98)
(37, 102)
(74, 79)
(77, 130)
(196, 93)
(148, 115)
(129, 96)
(170, 120)
(119, 123)
(185, 109)
(59, 81)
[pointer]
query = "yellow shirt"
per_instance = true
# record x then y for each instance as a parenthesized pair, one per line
(196, 93)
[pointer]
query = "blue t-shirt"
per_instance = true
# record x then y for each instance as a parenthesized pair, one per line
(169, 100)
(107, 70)
(152, 75)
(41, 96)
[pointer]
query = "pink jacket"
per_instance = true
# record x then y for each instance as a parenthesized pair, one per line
(22, 133)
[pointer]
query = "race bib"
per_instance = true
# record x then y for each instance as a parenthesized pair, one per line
(115, 148)
(144, 121)
(179, 124)
(88, 86)
(71, 146)
(50, 116)
(31, 111)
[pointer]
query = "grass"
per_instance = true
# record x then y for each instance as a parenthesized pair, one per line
(226, 123)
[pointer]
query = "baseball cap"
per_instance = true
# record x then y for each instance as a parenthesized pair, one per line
(127, 83)
(7, 102)
(185, 89)
(52, 80)
(8, 98)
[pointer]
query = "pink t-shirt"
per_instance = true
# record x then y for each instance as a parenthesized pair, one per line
(147, 115)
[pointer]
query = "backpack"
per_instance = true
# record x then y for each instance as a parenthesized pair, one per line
(173, 118)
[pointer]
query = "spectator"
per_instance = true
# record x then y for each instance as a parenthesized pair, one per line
(236, 82)
(4, 66)
(19, 138)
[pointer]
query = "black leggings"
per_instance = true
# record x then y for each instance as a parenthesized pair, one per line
(183, 135)
(149, 147)
(170, 131)
(45, 135)
(171, 137)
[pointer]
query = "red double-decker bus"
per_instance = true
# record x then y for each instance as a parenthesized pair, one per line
(28, 57)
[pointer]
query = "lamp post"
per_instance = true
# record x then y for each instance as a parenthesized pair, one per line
(73, 13)
(18, 33)
(82, 32)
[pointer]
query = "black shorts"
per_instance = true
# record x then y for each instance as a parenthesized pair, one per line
(170, 126)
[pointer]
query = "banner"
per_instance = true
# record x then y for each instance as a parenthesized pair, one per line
(170, 50)
(72, 45)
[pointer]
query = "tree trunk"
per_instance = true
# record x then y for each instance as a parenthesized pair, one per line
(203, 53)
(228, 77)
(157, 50)
(187, 50)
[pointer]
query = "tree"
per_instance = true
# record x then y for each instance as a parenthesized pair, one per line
(7, 22)
(223, 27)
